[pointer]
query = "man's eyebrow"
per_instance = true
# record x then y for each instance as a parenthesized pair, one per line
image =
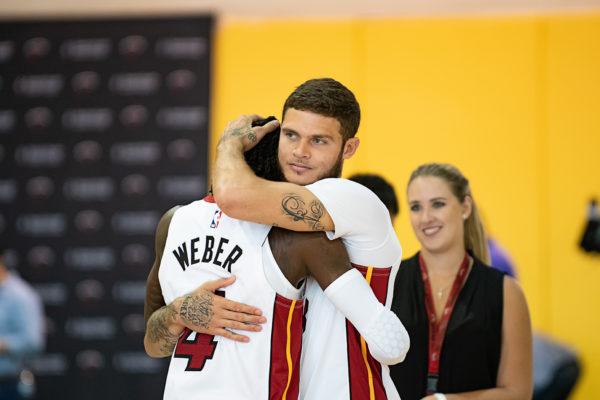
(313, 136)
(321, 136)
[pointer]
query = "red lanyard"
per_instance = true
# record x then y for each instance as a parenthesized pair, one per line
(437, 331)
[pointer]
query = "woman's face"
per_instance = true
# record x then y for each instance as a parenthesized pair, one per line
(436, 215)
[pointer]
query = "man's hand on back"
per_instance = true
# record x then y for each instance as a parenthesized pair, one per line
(202, 311)
(206, 312)
(242, 131)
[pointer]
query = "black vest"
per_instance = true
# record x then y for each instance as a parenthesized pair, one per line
(471, 350)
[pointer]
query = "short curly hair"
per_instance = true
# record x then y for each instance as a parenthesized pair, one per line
(263, 158)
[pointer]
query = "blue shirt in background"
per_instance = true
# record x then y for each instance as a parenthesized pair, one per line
(21, 323)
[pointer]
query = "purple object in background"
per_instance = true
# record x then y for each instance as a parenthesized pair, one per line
(500, 259)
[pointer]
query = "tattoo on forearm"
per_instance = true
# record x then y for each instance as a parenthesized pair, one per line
(244, 131)
(294, 206)
(158, 331)
(197, 309)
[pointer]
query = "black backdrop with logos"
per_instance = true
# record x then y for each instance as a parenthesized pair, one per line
(103, 127)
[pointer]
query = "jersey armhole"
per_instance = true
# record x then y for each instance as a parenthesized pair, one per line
(275, 277)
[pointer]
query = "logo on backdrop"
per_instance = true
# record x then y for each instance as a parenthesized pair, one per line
(7, 120)
(38, 118)
(7, 48)
(104, 132)
(86, 49)
(133, 46)
(40, 155)
(85, 82)
(36, 48)
(48, 85)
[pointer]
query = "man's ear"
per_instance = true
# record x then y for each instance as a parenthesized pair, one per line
(350, 147)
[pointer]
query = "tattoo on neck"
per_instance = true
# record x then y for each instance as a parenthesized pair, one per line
(197, 309)
(295, 207)
(244, 131)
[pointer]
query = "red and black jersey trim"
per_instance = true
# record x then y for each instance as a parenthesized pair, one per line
(364, 372)
(286, 346)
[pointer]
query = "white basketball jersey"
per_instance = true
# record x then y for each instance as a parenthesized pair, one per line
(336, 363)
(204, 244)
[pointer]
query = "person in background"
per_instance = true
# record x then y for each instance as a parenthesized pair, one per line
(556, 366)
(469, 324)
(383, 189)
(21, 328)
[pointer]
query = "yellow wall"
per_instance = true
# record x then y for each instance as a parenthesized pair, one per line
(572, 176)
(513, 102)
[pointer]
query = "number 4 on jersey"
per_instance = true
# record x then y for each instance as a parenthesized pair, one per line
(197, 350)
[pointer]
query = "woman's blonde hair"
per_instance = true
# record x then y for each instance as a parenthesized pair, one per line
(474, 234)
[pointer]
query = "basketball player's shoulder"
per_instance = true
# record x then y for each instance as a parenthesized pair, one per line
(181, 212)
(346, 196)
(342, 185)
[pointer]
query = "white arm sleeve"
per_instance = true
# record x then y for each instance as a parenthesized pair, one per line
(382, 330)
(356, 212)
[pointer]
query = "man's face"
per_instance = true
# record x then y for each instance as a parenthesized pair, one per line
(311, 147)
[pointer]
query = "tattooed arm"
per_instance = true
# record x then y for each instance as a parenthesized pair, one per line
(154, 299)
(200, 310)
(241, 194)
(161, 330)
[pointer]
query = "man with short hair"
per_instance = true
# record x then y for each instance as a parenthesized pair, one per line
(319, 123)
(295, 254)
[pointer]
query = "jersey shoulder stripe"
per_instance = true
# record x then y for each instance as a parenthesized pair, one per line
(286, 346)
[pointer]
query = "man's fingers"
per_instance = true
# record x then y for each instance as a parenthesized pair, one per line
(243, 130)
(259, 133)
(233, 336)
(238, 307)
(243, 318)
(241, 326)
(270, 126)
(218, 284)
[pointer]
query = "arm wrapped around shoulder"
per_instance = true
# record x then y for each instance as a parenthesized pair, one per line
(382, 330)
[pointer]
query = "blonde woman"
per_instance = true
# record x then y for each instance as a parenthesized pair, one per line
(469, 324)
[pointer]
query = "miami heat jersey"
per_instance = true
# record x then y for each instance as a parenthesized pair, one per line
(204, 244)
(336, 363)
